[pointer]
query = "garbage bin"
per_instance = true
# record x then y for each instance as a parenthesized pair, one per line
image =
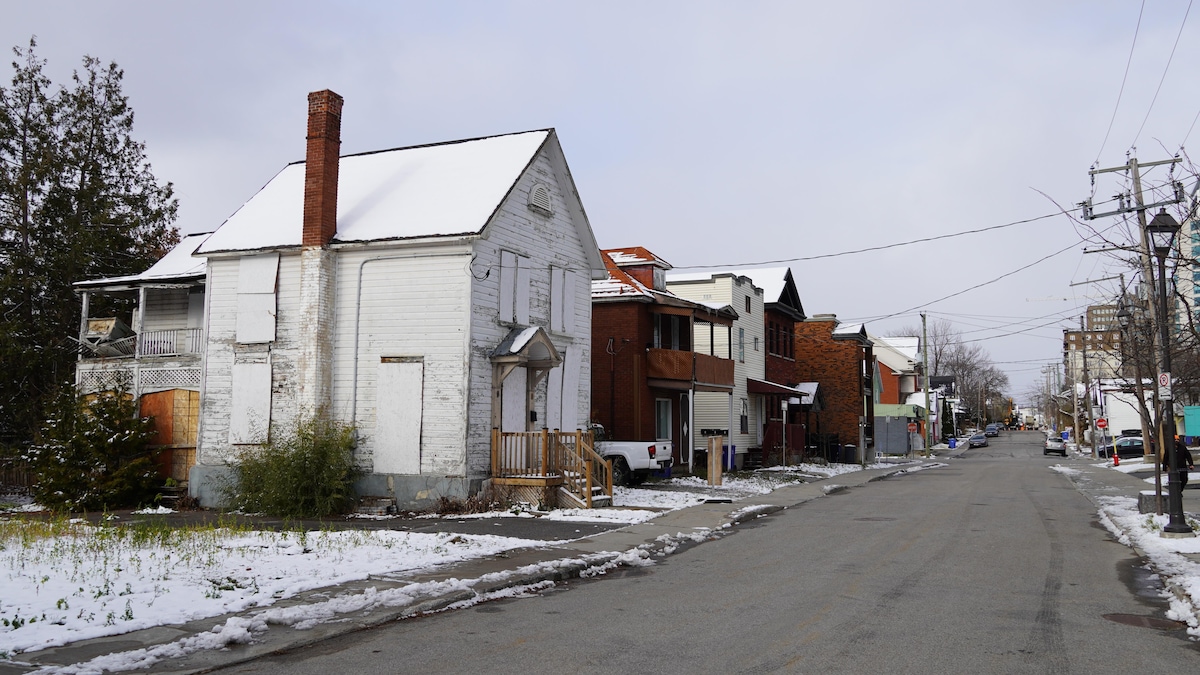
(953, 442)
(850, 454)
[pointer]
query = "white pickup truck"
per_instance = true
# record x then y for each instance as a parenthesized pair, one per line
(633, 461)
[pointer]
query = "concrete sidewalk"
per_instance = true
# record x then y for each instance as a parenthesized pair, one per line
(188, 648)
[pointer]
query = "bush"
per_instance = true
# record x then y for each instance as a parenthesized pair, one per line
(308, 471)
(92, 455)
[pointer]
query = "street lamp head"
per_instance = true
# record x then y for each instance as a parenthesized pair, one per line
(1124, 317)
(1161, 232)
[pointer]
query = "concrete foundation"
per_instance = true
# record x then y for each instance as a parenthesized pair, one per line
(205, 483)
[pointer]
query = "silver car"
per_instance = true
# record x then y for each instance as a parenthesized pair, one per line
(1056, 445)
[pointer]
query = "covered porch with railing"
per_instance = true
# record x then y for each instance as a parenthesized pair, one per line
(549, 466)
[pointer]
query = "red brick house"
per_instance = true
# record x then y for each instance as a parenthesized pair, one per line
(842, 360)
(645, 370)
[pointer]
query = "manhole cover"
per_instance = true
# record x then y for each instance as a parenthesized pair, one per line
(1145, 621)
(876, 519)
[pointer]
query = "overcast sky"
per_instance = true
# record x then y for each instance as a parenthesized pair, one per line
(712, 133)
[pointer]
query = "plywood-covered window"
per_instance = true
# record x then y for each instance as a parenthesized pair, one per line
(398, 414)
(562, 300)
(514, 288)
(257, 277)
(250, 415)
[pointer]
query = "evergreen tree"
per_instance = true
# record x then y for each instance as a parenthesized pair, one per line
(93, 455)
(77, 201)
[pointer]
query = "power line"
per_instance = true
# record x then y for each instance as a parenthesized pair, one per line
(1125, 77)
(980, 285)
(1165, 69)
(872, 248)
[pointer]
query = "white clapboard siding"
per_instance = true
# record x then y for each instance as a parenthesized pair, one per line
(412, 302)
(545, 242)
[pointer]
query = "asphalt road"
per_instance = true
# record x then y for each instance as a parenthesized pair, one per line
(994, 564)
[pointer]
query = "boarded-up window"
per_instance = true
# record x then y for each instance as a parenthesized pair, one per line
(250, 416)
(514, 288)
(195, 310)
(398, 407)
(562, 300)
(256, 308)
(570, 389)
(514, 402)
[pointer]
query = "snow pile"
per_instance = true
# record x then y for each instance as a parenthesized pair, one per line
(1120, 515)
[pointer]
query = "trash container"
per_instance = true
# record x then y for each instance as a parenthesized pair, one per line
(850, 454)
(953, 442)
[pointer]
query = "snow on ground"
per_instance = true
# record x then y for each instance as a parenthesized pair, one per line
(1167, 555)
(65, 581)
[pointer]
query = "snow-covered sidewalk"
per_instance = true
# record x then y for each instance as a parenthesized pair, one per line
(65, 581)
(1176, 560)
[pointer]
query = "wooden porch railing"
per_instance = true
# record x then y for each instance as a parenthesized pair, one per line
(549, 454)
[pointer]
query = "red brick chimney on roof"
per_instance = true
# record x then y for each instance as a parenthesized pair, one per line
(321, 167)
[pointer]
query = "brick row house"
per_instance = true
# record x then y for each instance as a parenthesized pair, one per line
(655, 354)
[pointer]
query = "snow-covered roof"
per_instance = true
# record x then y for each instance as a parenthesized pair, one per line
(177, 265)
(635, 255)
(848, 329)
(423, 191)
(619, 285)
(909, 346)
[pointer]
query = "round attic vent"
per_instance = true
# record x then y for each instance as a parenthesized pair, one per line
(539, 199)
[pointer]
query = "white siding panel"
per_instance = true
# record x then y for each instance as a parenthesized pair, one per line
(513, 413)
(250, 417)
(257, 273)
(570, 284)
(508, 285)
(544, 242)
(556, 299)
(411, 302)
(255, 317)
(570, 392)
(522, 291)
(555, 397)
(398, 417)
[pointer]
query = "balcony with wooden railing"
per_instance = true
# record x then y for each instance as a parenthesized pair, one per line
(687, 366)
(539, 463)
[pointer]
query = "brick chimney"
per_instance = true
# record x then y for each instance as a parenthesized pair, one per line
(321, 167)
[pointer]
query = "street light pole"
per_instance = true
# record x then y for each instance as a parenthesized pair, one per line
(1161, 231)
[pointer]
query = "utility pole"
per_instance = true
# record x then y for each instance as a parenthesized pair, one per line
(925, 375)
(1139, 207)
(1087, 387)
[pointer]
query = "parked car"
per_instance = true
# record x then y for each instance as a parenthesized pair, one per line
(991, 430)
(977, 441)
(632, 461)
(1054, 444)
(1127, 447)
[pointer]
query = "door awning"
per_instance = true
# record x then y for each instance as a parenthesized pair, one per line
(527, 346)
(767, 387)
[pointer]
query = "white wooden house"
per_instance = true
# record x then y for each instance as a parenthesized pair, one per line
(427, 294)
(738, 414)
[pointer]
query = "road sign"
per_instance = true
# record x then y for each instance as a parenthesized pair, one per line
(1164, 386)
(912, 427)
(1101, 423)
